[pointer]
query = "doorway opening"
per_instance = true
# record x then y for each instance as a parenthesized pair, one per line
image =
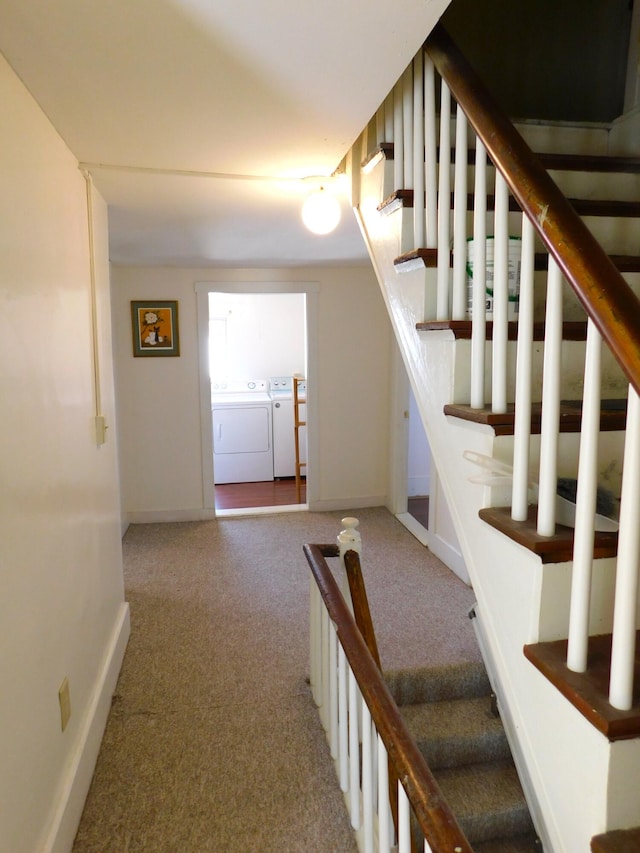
(254, 340)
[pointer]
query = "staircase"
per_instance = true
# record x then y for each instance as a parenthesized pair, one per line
(452, 716)
(549, 595)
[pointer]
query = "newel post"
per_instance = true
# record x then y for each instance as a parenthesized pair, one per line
(349, 539)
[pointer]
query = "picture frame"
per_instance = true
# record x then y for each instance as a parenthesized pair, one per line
(155, 327)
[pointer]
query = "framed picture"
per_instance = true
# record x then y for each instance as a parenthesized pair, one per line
(155, 328)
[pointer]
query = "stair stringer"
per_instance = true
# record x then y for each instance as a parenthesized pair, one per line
(564, 762)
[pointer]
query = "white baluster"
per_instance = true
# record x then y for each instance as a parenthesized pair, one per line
(384, 808)
(500, 296)
(315, 634)
(380, 125)
(550, 403)
(324, 644)
(626, 599)
(524, 364)
(585, 506)
(444, 205)
(478, 295)
(418, 152)
(430, 146)
(354, 752)
(343, 720)
(333, 690)
(407, 123)
(388, 118)
(404, 821)
(398, 137)
(459, 294)
(367, 778)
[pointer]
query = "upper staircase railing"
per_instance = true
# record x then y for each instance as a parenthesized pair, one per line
(418, 120)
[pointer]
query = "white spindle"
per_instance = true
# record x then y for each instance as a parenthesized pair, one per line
(444, 205)
(324, 678)
(524, 364)
(404, 821)
(315, 621)
(418, 152)
(549, 430)
(349, 539)
(388, 118)
(354, 752)
(500, 297)
(585, 506)
(430, 147)
(333, 690)
(626, 598)
(459, 289)
(380, 125)
(407, 123)
(367, 779)
(478, 297)
(398, 137)
(343, 720)
(384, 811)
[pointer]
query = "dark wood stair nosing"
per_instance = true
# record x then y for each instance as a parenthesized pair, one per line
(613, 416)
(429, 258)
(573, 330)
(557, 162)
(550, 549)
(588, 691)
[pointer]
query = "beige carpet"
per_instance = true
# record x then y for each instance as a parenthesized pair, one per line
(213, 742)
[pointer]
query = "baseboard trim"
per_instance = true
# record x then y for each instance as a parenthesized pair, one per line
(162, 516)
(79, 771)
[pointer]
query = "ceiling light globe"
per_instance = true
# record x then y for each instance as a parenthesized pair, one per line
(321, 212)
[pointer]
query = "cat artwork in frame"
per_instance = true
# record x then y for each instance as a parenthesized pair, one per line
(155, 327)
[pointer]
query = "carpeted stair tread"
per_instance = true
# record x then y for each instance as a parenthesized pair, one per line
(487, 800)
(435, 684)
(457, 732)
(529, 843)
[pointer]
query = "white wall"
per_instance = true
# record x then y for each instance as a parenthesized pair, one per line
(159, 404)
(61, 607)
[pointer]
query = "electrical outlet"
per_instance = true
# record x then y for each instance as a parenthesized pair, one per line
(65, 703)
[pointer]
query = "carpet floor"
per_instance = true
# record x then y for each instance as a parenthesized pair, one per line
(213, 742)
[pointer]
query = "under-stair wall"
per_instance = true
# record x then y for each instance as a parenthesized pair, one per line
(577, 781)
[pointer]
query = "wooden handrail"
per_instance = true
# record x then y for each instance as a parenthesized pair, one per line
(435, 818)
(602, 291)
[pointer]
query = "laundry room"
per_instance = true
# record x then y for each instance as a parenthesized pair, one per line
(257, 363)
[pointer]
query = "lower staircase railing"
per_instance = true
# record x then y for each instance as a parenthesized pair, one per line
(514, 193)
(367, 736)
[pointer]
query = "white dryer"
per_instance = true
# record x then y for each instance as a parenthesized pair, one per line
(242, 432)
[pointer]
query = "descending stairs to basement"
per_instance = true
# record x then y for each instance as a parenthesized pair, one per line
(451, 714)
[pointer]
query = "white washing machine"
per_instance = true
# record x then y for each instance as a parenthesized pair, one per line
(242, 432)
(284, 451)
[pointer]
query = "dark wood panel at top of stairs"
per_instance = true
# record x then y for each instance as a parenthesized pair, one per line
(613, 416)
(588, 691)
(617, 841)
(461, 329)
(557, 162)
(429, 259)
(551, 549)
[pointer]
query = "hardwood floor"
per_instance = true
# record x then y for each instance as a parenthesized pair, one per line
(270, 493)
(419, 508)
